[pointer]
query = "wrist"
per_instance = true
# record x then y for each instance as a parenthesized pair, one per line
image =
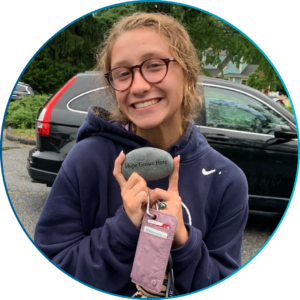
(180, 239)
(136, 219)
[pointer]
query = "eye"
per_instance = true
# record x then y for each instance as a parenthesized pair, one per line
(124, 74)
(153, 65)
(121, 74)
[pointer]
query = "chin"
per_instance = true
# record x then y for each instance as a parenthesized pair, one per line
(148, 124)
(144, 126)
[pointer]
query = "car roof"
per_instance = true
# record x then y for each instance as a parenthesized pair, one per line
(98, 80)
(22, 83)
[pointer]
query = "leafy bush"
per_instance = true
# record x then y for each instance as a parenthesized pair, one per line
(22, 113)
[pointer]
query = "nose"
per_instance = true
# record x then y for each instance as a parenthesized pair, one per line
(139, 85)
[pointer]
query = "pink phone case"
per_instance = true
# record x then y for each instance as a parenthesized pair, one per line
(153, 250)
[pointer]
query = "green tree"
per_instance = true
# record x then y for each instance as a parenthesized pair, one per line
(209, 32)
(69, 52)
(72, 50)
(258, 80)
(107, 17)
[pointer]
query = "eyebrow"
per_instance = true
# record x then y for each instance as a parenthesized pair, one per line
(122, 63)
(125, 63)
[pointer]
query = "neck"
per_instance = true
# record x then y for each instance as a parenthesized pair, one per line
(161, 136)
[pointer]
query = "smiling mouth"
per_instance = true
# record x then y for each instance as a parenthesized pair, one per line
(146, 103)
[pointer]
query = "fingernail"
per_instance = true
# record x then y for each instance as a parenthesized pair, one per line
(178, 157)
(121, 152)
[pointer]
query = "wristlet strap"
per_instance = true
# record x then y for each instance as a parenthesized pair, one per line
(171, 290)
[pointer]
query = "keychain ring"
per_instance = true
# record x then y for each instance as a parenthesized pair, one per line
(147, 211)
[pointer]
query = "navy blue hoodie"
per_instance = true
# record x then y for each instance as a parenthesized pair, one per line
(84, 229)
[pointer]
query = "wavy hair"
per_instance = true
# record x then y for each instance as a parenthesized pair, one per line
(181, 47)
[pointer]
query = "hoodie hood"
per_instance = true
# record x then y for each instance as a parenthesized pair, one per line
(191, 145)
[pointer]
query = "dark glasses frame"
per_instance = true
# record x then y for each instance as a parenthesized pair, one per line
(165, 60)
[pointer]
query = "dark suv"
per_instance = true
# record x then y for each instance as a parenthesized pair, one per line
(22, 89)
(241, 123)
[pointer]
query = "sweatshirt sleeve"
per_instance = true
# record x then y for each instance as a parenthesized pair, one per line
(106, 253)
(204, 260)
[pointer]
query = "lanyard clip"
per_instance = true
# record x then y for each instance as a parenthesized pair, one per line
(148, 207)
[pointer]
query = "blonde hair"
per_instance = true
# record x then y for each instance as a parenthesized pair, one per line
(181, 47)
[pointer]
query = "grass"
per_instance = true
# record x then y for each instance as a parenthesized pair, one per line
(9, 148)
(28, 134)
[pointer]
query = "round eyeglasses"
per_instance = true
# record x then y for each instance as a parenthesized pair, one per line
(153, 70)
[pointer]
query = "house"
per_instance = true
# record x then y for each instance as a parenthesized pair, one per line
(230, 70)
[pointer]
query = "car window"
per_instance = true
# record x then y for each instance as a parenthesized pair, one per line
(85, 100)
(233, 110)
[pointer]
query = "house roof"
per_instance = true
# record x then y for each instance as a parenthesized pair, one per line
(213, 72)
(249, 69)
(245, 74)
(236, 75)
(216, 72)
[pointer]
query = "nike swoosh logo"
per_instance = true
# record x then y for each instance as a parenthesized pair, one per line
(204, 172)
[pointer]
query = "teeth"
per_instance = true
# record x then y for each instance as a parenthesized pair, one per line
(145, 104)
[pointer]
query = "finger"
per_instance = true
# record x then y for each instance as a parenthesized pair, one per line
(159, 194)
(133, 179)
(139, 187)
(137, 202)
(153, 205)
(174, 177)
(117, 172)
(141, 198)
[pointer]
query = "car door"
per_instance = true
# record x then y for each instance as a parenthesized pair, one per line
(241, 127)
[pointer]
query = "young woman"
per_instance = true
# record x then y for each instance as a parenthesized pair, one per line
(89, 226)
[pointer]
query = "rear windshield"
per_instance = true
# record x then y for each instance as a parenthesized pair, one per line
(21, 88)
(98, 97)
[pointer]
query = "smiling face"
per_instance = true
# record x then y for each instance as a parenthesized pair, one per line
(148, 105)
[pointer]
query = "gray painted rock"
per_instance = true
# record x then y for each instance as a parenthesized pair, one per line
(150, 163)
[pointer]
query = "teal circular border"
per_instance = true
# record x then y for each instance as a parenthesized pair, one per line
(273, 26)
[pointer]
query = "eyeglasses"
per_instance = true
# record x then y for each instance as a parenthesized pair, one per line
(153, 70)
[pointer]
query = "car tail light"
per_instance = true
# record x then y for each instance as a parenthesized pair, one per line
(43, 121)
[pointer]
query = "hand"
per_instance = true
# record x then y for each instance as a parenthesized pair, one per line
(173, 200)
(134, 192)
